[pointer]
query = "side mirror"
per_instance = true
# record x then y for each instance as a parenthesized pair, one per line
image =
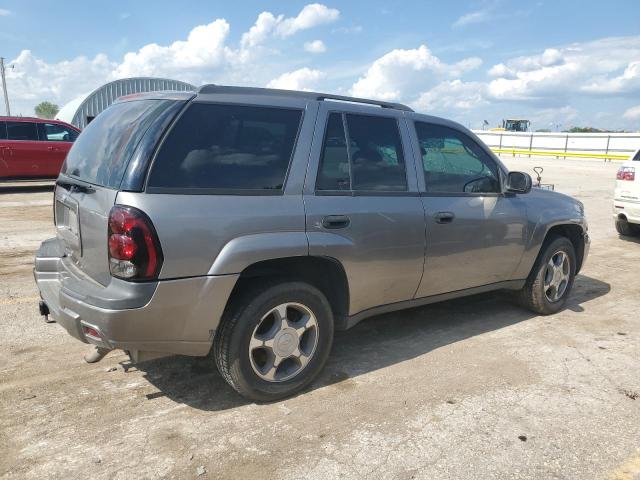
(518, 182)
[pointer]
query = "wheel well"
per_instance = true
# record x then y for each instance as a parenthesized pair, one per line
(575, 235)
(622, 217)
(324, 273)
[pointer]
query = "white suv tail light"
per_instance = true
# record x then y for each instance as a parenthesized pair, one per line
(626, 173)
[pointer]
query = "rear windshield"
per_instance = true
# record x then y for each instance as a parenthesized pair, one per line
(227, 148)
(102, 151)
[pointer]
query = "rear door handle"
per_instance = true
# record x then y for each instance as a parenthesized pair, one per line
(333, 222)
(444, 217)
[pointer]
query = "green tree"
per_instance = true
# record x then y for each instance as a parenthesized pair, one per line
(46, 110)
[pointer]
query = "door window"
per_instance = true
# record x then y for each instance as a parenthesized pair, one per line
(53, 132)
(370, 160)
(334, 167)
(22, 131)
(3, 131)
(454, 163)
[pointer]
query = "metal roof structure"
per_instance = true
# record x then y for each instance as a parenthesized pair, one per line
(81, 110)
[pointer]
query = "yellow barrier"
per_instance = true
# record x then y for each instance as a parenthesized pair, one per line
(550, 153)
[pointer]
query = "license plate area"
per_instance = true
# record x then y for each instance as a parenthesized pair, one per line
(68, 225)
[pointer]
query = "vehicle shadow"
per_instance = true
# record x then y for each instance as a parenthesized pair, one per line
(627, 238)
(375, 343)
(25, 188)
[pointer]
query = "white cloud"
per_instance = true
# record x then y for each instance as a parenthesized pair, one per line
(301, 79)
(33, 80)
(204, 48)
(204, 56)
(404, 74)
(311, 15)
(479, 16)
(261, 30)
(4, 12)
(592, 67)
(632, 113)
(452, 95)
(268, 24)
(317, 46)
(629, 81)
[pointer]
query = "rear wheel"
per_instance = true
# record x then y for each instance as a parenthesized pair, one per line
(627, 229)
(275, 340)
(551, 278)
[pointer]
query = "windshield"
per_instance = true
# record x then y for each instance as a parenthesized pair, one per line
(101, 153)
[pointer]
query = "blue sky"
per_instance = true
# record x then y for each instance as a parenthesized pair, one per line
(558, 63)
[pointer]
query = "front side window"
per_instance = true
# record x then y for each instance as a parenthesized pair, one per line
(454, 163)
(370, 160)
(54, 132)
(3, 131)
(22, 131)
(227, 147)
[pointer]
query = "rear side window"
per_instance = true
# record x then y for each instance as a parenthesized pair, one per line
(22, 131)
(636, 158)
(54, 132)
(227, 148)
(101, 153)
(365, 156)
(454, 163)
(3, 131)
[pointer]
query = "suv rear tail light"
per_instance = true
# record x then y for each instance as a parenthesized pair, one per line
(134, 248)
(626, 173)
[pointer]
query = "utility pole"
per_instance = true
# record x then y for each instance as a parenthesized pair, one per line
(4, 87)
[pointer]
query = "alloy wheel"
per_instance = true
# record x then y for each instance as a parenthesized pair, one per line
(283, 342)
(557, 276)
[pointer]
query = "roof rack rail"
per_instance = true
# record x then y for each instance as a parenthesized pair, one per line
(212, 88)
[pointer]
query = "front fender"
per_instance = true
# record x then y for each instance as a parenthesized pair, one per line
(547, 210)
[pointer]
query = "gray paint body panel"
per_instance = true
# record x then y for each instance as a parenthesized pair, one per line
(394, 255)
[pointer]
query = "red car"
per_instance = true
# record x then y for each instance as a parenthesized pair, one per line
(33, 148)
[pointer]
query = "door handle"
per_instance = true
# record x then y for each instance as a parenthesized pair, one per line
(333, 222)
(444, 217)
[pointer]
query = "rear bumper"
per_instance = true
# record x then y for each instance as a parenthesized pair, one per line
(630, 209)
(170, 316)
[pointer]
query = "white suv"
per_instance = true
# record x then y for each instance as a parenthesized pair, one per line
(626, 199)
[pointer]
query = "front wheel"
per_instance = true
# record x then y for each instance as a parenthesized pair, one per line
(627, 229)
(275, 340)
(551, 278)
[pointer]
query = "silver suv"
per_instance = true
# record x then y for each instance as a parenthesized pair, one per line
(252, 223)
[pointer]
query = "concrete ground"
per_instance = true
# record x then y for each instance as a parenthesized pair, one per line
(468, 389)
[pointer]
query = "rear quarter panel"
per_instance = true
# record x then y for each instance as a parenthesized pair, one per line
(213, 234)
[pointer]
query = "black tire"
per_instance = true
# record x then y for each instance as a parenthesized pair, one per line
(231, 344)
(534, 295)
(627, 229)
